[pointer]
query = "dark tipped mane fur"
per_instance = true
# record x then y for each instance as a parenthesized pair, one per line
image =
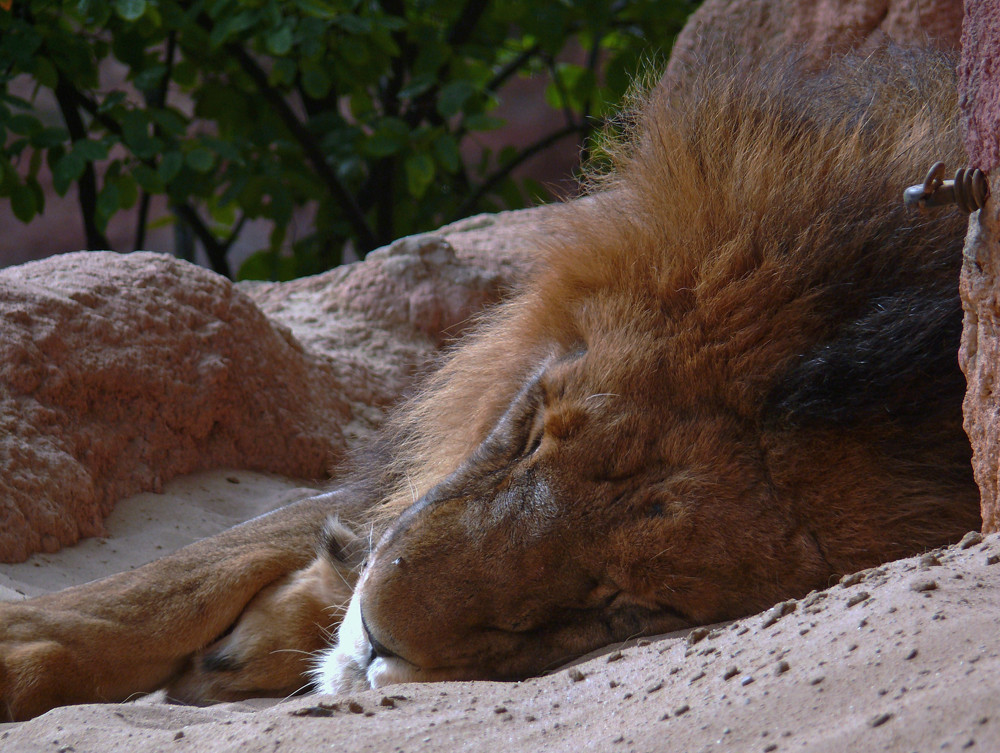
(753, 220)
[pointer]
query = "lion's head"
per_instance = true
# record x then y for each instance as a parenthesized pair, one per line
(731, 378)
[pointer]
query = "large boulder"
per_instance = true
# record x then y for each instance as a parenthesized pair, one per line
(818, 28)
(119, 372)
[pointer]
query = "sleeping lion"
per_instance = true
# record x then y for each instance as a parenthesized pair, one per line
(731, 379)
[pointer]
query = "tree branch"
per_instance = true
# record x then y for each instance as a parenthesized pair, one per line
(487, 185)
(215, 251)
(463, 27)
(69, 102)
(356, 218)
(160, 100)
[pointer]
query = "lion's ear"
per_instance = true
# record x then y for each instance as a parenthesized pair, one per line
(882, 365)
(340, 545)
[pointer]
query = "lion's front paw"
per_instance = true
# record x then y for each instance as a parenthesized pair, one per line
(271, 648)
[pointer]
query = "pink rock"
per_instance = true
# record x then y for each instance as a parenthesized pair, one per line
(119, 372)
(820, 27)
(979, 84)
(979, 90)
(980, 353)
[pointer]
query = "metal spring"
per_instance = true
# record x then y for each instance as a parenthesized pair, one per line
(969, 189)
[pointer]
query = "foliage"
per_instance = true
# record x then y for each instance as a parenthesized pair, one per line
(243, 109)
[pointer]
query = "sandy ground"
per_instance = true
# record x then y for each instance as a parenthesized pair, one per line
(905, 657)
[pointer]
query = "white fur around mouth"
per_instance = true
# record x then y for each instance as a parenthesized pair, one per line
(350, 667)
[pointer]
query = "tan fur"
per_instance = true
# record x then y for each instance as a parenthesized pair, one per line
(629, 445)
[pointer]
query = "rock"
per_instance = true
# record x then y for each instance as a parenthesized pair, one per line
(979, 84)
(820, 28)
(120, 372)
(979, 94)
(979, 355)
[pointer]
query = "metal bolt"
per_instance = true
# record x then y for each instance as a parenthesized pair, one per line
(969, 189)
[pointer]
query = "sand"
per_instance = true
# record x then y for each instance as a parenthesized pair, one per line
(904, 657)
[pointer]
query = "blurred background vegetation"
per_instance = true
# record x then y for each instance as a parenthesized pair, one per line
(367, 115)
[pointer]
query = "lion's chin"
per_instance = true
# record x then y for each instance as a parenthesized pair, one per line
(345, 667)
(349, 666)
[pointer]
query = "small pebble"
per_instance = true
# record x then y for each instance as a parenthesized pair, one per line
(971, 539)
(851, 579)
(576, 675)
(782, 667)
(746, 681)
(928, 561)
(911, 655)
(993, 559)
(696, 635)
(730, 673)
(921, 585)
(617, 655)
(778, 611)
(880, 719)
(355, 708)
(682, 709)
(653, 688)
(858, 598)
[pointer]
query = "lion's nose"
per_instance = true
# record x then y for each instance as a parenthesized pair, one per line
(378, 649)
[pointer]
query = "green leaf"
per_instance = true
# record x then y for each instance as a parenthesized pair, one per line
(26, 125)
(130, 10)
(481, 122)
(419, 173)
(170, 120)
(128, 192)
(186, 73)
(315, 82)
(200, 159)
(318, 9)
(50, 137)
(170, 165)
(354, 24)
(109, 200)
(22, 202)
(279, 41)
(446, 151)
(149, 179)
(452, 96)
(46, 73)
(135, 133)
(92, 151)
(389, 137)
(67, 170)
(232, 26)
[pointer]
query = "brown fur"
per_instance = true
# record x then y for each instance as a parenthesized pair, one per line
(730, 381)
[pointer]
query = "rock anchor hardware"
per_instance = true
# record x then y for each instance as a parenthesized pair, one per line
(969, 190)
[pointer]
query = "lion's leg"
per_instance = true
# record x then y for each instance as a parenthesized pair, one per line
(132, 632)
(276, 641)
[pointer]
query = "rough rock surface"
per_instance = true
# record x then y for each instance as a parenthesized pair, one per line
(979, 356)
(119, 372)
(979, 83)
(821, 27)
(979, 91)
(904, 657)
